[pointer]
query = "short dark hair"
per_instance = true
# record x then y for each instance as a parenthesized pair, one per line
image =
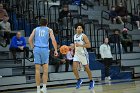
(80, 24)
(114, 30)
(43, 22)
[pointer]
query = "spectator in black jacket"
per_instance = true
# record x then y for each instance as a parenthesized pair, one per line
(126, 40)
(64, 17)
(64, 13)
(115, 41)
(122, 12)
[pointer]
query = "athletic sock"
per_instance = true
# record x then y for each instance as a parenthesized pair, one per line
(44, 86)
(38, 88)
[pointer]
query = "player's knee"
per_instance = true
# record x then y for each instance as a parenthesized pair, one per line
(74, 68)
(37, 71)
(86, 67)
(45, 71)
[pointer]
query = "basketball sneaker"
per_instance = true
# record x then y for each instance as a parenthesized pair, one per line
(91, 84)
(79, 82)
(108, 78)
(44, 90)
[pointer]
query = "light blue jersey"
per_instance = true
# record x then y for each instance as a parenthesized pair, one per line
(41, 37)
(41, 43)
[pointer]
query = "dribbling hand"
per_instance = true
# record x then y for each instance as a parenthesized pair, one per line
(55, 53)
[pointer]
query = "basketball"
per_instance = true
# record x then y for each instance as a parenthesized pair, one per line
(64, 49)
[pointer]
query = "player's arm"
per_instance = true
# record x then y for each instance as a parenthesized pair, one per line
(53, 39)
(87, 42)
(72, 46)
(31, 39)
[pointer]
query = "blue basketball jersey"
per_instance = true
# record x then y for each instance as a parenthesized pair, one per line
(41, 37)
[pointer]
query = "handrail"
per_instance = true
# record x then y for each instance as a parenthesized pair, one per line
(132, 27)
(23, 58)
(102, 17)
(50, 12)
(105, 34)
(102, 14)
(138, 9)
(90, 31)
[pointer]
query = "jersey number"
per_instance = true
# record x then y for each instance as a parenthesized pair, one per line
(41, 33)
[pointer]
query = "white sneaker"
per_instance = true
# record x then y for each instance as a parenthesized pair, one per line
(139, 28)
(108, 78)
(0, 76)
(43, 90)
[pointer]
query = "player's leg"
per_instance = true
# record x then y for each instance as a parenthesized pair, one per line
(75, 71)
(37, 77)
(85, 61)
(87, 69)
(45, 77)
(44, 59)
(45, 73)
(37, 62)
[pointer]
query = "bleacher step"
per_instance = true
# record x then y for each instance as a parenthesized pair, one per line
(12, 80)
(130, 63)
(130, 56)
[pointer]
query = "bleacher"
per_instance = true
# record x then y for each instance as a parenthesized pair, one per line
(97, 26)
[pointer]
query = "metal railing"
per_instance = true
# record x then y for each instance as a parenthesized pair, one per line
(101, 35)
(22, 59)
(53, 12)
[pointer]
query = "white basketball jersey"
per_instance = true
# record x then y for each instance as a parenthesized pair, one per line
(79, 39)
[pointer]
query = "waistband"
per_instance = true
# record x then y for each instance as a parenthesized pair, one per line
(40, 47)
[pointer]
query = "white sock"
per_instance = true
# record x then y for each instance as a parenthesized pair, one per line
(38, 88)
(44, 86)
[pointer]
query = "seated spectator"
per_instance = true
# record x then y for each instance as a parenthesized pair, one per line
(5, 29)
(136, 20)
(3, 12)
(18, 44)
(69, 58)
(113, 14)
(63, 14)
(122, 13)
(115, 41)
(126, 40)
(56, 61)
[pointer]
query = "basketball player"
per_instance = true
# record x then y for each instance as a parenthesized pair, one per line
(81, 42)
(41, 51)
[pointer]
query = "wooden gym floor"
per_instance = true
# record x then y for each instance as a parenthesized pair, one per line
(123, 86)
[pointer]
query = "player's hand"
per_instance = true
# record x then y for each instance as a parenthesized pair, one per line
(21, 47)
(55, 53)
(78, 45)
(32, 46)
